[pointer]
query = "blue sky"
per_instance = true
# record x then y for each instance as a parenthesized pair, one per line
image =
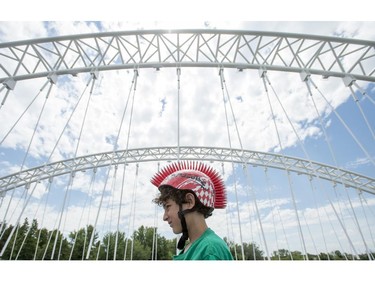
(202, 123)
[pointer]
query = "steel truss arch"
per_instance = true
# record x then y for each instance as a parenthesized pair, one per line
(73, 54)
(137, 155)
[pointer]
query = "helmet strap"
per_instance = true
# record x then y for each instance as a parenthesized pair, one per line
(185, 234)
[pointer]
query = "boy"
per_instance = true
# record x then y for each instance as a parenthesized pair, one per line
(189, 192)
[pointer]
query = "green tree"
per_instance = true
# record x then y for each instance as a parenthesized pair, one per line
(147, 244)
(281, 254)
(18, 238)
(338, 255)
(366, 256)
(297, 255)
(141, 251)
(143, 243)
(30, 242)
(41, 243)
(165, 248)
(324, 256)
(55, 247)
(26, 249)
(251, 251)
(79, 243)
(112, 242)
(7, 231)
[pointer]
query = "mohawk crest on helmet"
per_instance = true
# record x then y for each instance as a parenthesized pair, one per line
(204, 181)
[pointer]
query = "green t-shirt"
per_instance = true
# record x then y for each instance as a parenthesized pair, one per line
(207, 247)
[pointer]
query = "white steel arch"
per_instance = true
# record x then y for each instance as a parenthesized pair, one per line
(312, 169)
(321, 55)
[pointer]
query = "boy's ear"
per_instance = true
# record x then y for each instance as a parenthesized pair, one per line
(190, 199)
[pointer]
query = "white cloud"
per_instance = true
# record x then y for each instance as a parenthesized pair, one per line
(357, 162)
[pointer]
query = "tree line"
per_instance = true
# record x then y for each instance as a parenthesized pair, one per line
(29, 242)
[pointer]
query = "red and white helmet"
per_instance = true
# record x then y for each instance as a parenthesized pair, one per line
(205, 182)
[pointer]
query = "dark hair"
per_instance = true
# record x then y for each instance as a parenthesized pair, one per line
(179, 195)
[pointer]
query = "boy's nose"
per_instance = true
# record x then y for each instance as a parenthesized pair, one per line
(165, 216)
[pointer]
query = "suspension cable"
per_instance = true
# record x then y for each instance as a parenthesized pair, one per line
(344, 124)
(312, 238)
(5, 96)
(343, 227)
(26, 235)
(258, 216)
(264, 78)
(49, 240)
(364, 94)
(319, 216)
(272, 213)
(133, 85)
(261, 237)
(30, 142)
(43, 216)
(154, 251)
(2, 88)
(245, 166)
(110, 202)
(222, 80)
(92, 75)
(307, 80)
(230, 232)
(72, 173)
(89, 212)
(92, 180)
(23, 113)
(334, 231)
(134, 203)
(18, 221)
(6, 135)
(358, 226)
(279, 215)
(119, 210)
(356, 100)
(178, 112)
(17, 227)
(361, 199)
(130, 124)
(36, 127)
(132, 216)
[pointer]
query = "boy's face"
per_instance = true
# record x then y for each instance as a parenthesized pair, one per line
(171, 216)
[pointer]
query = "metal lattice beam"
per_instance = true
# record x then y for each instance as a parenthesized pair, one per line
(312, 169)
(321, 55)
